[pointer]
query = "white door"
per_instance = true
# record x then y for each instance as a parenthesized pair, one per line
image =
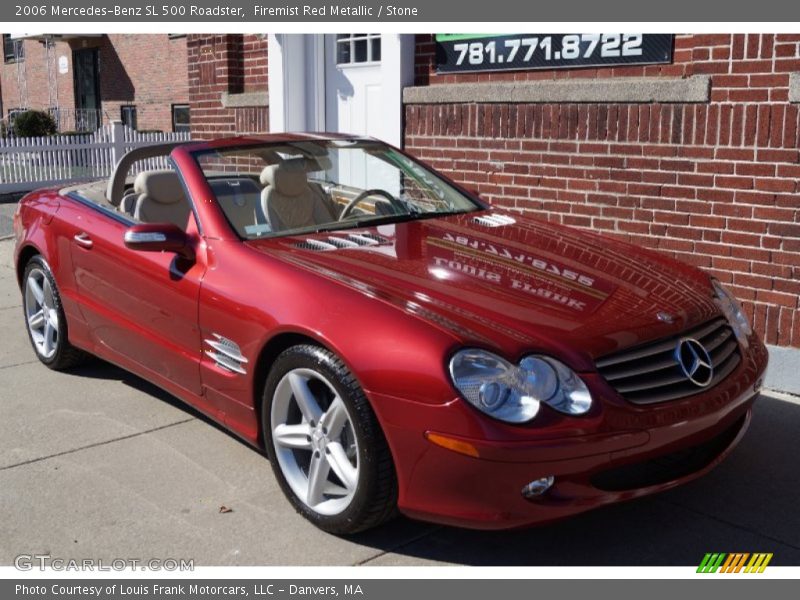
(353, 101)
(353, 83)
(340, 83)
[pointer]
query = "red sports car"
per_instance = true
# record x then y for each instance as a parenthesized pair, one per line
(391, 341)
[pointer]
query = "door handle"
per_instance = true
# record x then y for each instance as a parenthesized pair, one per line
(83, 240)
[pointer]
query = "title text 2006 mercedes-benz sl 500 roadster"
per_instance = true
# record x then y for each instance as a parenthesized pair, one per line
(391, 341)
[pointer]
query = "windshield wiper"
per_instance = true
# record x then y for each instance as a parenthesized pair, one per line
(391, 219)
(372, 222)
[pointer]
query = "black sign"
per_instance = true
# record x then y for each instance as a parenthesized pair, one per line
(477, 52)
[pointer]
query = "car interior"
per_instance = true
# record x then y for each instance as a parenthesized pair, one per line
(269, 189)
(282, 197)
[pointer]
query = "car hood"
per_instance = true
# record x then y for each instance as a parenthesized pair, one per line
(500, 280)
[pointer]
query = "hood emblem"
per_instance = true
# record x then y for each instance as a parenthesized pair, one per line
(694, 361)
(665, 317)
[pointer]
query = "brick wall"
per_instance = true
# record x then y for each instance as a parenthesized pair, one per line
(713, 184)
(226, 64)
(148, 71)
(254, 63)
(34, 71)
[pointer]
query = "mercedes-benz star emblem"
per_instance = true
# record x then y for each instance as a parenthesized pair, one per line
(694, 361)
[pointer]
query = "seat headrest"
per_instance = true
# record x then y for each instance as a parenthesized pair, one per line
(318, 163)
(162, 186)
(287, 177)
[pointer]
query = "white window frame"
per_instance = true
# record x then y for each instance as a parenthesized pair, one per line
(351, 39)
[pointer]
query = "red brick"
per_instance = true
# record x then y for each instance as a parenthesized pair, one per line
(777, 298)
(126, 76)
(755, 169)
(712, 184)
(739, 183)
(785, 229)
(775, 185)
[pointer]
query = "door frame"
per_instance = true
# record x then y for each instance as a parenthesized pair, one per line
(297, 82)
(96, 67)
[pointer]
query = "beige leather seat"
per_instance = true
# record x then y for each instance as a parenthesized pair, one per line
(161, 198)
(128, 204)
(240, 199)
(289, 201)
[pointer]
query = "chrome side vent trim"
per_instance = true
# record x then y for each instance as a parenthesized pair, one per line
(227, 354)
(311, 244)
(378, 239)
(363, 239)
(336, 242)
(343, 243)
(494, 220)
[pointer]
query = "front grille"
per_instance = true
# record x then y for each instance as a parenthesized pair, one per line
(650, 372)
(667, 467)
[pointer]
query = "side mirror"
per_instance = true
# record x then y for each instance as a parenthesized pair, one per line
(159, 237)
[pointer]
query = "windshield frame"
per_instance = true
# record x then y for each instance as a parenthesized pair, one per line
(347, 224)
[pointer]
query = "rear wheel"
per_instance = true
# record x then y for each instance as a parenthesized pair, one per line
(325, 444)
(44, 317)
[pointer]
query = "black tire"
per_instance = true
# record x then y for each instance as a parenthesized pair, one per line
(66, 355)
(375, 498)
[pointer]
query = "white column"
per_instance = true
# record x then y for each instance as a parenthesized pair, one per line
(288, 78)
(397, 72)
(297, 74)
(277, 121)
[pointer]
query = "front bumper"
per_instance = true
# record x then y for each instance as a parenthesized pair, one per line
(622, 452)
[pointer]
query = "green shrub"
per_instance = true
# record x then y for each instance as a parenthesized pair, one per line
(33, 123)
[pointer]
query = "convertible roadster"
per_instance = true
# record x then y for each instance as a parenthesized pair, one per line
(390, 340)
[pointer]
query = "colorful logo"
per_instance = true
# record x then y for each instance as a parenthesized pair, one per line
(736, 562)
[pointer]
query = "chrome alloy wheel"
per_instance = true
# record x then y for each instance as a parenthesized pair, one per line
(41, 313)
(315, 442)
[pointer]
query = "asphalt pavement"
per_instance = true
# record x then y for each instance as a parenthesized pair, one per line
(8, 204)
(98, 463)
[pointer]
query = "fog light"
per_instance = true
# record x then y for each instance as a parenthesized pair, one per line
(537, 487)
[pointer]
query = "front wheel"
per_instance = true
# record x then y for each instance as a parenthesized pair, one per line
(44, 317)
(324, 442)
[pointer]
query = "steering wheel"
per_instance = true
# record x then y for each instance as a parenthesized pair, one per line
(396, 204)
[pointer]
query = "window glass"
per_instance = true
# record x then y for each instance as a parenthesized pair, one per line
(358, 48)
(13, 50)
(180, 117)
(324, 185)
(128, 115)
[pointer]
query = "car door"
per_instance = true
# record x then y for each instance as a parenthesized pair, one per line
(140, 307)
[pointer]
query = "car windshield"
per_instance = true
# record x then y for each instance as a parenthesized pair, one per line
(289, 188)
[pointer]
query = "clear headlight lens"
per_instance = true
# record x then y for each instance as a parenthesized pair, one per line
(732, 310)
(514, 393)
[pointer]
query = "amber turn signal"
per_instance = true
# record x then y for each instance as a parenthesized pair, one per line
(459, 446)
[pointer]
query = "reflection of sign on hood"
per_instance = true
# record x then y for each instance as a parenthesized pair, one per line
(508, 270)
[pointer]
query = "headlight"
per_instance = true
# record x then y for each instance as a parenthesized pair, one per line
(513, 393)
(733, 312)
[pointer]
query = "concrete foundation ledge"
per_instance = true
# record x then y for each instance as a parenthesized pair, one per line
(696, 88)
(783, 373)
(794, 87)
(244, 100)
